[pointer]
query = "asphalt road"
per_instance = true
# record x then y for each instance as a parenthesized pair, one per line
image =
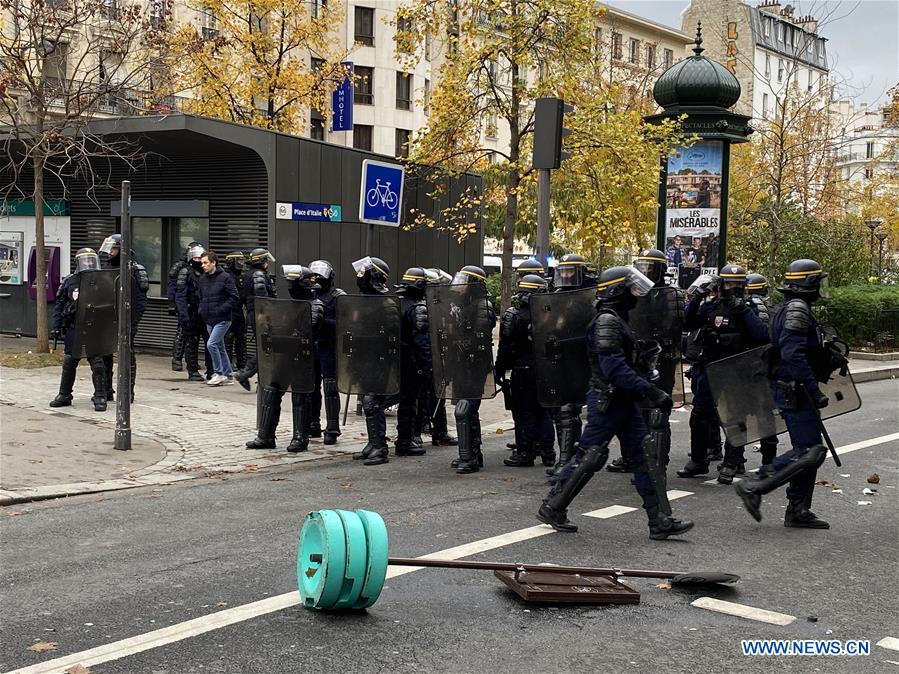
(88, 571)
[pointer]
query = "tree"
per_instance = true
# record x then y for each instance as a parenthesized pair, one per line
(498, 56)
(64, 64)
(260, 62)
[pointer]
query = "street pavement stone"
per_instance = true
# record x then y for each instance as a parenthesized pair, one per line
(202, 429)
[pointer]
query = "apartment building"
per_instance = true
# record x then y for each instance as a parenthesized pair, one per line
(767, 47)
(867, 144)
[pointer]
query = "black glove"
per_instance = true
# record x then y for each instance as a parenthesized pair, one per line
(55, 334)
(821, 400)
(658, 398)
(738, 306)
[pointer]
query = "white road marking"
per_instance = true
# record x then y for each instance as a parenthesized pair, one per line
(610, 511)
(678, 493)
(714, 480)
(889, 642)
(743, 611)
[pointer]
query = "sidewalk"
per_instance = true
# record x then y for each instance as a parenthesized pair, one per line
(182, 430)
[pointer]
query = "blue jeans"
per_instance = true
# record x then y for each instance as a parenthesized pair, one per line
(221, 364)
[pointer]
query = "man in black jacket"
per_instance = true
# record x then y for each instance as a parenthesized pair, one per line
(218, 299)
(187, 300)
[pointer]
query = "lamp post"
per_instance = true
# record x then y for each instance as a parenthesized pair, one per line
(881, 237)
(872, 224)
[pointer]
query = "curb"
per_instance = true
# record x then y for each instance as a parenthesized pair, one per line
(876, 374)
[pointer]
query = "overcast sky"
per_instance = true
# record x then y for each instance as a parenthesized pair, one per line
(862, 37)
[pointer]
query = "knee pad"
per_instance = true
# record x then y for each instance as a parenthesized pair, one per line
(371, 404)
(594, 457)
(463, 407)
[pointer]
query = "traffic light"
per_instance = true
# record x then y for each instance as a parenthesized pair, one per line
(549, 113)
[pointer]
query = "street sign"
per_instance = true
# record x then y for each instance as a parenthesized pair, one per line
(342, 102)
(303, 210)
(381, 194)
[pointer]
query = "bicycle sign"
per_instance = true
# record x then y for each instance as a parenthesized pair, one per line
(381, 194)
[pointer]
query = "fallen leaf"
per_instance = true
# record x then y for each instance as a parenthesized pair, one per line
(278, 479)
(874, 478)
(41, 646)
(346, 485)
(78, 669)
(824, 483)
(221, 604)
(499, 431)
(14, 513)
(664, 586)
(250, 467)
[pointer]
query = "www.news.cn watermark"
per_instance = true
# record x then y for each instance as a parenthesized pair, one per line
(805, 647)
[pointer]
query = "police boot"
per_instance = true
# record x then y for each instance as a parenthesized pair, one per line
(714, 446)
(331, 399)
(751, 491)
(619, 465)
(798, 514)
(98, 376)
(733, 458)
(440, 436)
(768, 450)
(378, 452)
(300, 441)
(693, 469)
(522, 457)
(314, 429)
(468, 457)
(177, 349)
(269, 415)
(570, 481)
(566, 433)
(661, 526)
(66, 382)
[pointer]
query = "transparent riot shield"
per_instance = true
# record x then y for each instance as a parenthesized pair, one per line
(461, 330)
(96, 324)
(659, 316)
(559, 322)
(742, 392)
(368, 344)
(285, 344)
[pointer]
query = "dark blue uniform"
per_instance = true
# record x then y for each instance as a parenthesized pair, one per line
(256, 283)
(140, 285)
(761, 309)
(187, 300)
(415, 363)
(326, 368)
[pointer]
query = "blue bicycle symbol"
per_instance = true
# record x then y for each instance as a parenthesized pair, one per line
(382, 194)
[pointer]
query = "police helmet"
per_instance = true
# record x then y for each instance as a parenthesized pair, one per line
(805, 276)
(111, 243)
(703, 285)
(371, 272)
(470, 273)
(324, 270)
(731, 280)
(261, 256)
(86, 259)
(195, 252)
(569, 271)
(414, 277)
(756, 284)
(532, 283)
(618, 282)
(653, 263)
(530, 266)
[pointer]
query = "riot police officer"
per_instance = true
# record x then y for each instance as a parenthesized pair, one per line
(618, 381)
(757, 299)
(372, 274)
(530, 266)
(64, 311)
(187, 299)
(726, 327)
(533, 425)
(326, 357)
(301, 285)
(171, 290)
(431, 409)
(256, 283)
(805, 361)
(468, 420)
(571, 273)
(110, 258)
(236, 339)
(415, 357)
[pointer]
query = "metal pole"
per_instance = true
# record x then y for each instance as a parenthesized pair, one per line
(542, 215)
(123, 402)
(872, 248)
(369, 235)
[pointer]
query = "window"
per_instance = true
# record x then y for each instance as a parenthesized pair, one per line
(403, 91)
(764, 106)
(766, 27)
(159, 11)
(365, 26)
(633, 51)
(403, 25)
(811, 80)
(317, 128)
(209, 23)
(55, 66)
(158, 242)
(316, 64)
(427, 45)
(597, 42)
(869, 173)
(869, 150)
(669, 58)
(427, 97)
(109, 9)
(490, 126)
(363, 92)
(650, 56)
(780, 70)
(767, 66)
(317, 6)
(362, 136)
(781, 32)
(403, 136)
(616, 46)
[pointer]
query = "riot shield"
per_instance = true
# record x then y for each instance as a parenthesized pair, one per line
(285, 345)
(96, 324)
(559, 322)
(368, 344)
(746, 407)
(461, 341)
(659, 316)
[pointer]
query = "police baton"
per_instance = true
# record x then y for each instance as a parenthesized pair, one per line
(821, 427)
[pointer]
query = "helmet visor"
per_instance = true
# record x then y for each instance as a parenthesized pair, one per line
(824, 287)
(461, 278)
(109, 243)
(87, 261)
(195, 252)
(322, 268)
(292, 271)
(363, 265)
(639, 283)
(569, 275)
